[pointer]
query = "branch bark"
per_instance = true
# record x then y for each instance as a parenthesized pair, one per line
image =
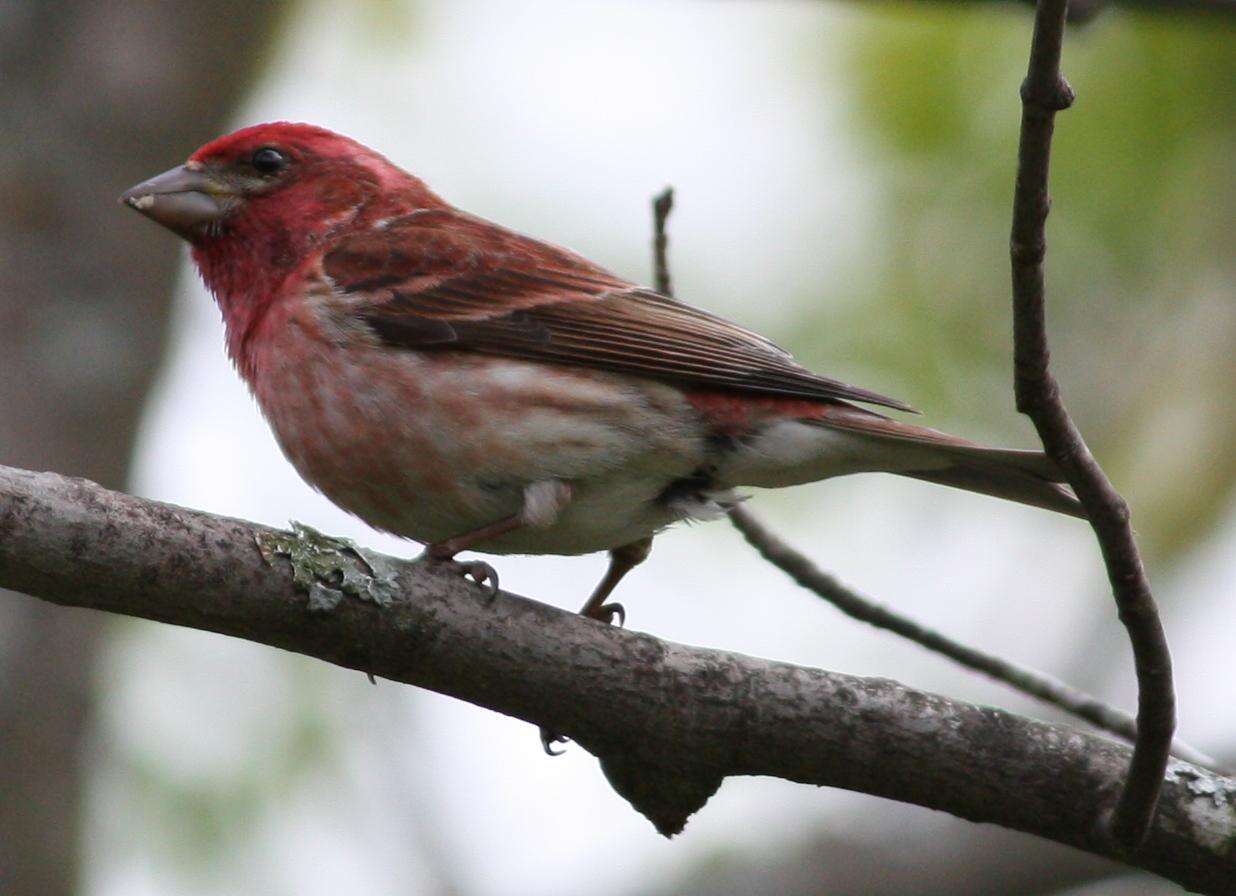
(1045, 92)
(667, 722)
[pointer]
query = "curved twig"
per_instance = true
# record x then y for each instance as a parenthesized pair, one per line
(1043, 93)
(806, 574)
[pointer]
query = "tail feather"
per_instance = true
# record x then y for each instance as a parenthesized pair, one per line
(1027, 477)
(1033, 463)
(1006, 482)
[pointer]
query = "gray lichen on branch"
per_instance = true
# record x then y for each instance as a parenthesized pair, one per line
(327, 568)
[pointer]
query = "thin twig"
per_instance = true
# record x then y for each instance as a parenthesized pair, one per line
(1043, 93)
(662, 205)
(806, 574)
(1028, 681)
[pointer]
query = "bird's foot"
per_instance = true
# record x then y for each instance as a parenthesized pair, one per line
(549, 738)
(607, 613)
(327, 568)
(477, 571)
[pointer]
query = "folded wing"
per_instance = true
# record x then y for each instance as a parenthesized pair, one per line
(443, 280)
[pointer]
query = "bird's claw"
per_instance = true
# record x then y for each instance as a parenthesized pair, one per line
(607, 613)
(480, 572)
(549, 738)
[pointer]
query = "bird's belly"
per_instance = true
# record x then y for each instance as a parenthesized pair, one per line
(431, 445)
(604, 512)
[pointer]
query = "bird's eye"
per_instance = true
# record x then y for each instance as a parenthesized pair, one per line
(268, 160)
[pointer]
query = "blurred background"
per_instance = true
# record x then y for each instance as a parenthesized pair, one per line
(844, 175)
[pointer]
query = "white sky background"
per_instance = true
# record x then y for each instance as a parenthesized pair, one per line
(562, 119)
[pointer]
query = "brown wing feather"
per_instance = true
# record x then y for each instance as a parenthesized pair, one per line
(445, 280)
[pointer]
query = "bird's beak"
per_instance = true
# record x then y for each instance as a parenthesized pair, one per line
(184, 200)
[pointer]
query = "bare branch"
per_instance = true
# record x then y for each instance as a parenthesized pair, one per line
(1043, 93)
(806, 574)
(1028, 681)
(667, 722)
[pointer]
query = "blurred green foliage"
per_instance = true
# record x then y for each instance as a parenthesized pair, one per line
(1140, 260)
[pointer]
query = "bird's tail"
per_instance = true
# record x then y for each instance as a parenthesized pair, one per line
(1028, 477)
(1012, 475)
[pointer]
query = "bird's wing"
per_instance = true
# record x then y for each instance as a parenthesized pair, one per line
(444, 280)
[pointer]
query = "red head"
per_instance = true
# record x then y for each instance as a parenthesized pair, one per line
(267, 194)
(258, 204)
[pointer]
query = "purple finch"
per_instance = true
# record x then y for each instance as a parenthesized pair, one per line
(457, 383)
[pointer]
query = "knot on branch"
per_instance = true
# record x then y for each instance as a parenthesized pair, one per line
(1030, 252)
(1118, 507)
(1034, 387)
(1050, 97)
(665, 795)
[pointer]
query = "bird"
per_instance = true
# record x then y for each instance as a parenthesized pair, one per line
(457, 383)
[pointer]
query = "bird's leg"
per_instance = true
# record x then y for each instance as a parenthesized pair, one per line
(448, 548)
(543, 501)
(443, 552)
(621, 561)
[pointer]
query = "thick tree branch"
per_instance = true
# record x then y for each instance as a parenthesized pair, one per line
(667, 722)
(1043, 93)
